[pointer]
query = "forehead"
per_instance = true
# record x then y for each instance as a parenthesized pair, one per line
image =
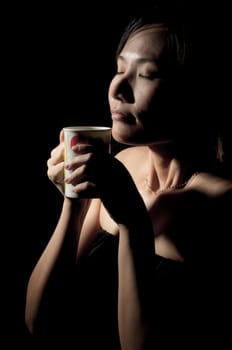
(148, 41)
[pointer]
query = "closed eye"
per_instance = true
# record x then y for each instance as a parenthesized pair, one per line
(151, 76)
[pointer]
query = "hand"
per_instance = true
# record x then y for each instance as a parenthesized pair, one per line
(55, 164)
(86, 168)
(101, 175)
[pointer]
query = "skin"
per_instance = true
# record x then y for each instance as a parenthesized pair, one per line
(133, 96)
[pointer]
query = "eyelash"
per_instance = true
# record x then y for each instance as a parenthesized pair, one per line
(151, 76)
(155, 75)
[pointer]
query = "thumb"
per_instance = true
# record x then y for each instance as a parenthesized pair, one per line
(61, 137)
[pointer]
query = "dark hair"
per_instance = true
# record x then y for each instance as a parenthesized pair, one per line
(179, 44)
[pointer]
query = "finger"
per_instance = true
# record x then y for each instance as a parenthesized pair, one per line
(86, 190)
(61, 136)
(82, 148)
(57, 154)
(76, 176)
(56, 173)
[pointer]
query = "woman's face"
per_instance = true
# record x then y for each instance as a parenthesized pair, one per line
(137, 93)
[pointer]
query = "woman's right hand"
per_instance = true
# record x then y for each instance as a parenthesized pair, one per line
(55, 165)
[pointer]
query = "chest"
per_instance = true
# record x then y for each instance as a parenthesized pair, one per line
(164, 242)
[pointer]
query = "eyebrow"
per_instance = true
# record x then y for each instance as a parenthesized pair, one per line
(140, 60)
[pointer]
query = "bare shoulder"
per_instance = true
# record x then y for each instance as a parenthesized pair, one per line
(212, 185)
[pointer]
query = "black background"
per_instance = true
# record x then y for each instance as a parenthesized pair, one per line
(57, 61)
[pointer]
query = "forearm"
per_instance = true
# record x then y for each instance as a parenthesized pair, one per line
(136, 282)
(136, 257)
(59, 254)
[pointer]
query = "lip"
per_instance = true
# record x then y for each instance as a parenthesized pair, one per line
(117, 116)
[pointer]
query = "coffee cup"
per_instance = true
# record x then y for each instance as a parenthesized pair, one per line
(100, 136)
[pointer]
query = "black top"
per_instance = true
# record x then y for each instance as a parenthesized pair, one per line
(183, 306)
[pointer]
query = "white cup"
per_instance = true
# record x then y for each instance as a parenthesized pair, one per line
(94, 134)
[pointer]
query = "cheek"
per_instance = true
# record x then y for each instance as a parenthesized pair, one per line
(146, 99)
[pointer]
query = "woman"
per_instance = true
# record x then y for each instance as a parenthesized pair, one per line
(132, 267)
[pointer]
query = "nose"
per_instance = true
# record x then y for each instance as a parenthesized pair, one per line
(123, 90)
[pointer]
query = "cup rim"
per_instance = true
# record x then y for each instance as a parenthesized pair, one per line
(86, 128)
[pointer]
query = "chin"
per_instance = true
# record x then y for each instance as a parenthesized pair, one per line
(122, 140)
(121, 135)
(139, 141)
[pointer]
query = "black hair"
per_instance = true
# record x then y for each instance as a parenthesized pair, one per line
(179, 44)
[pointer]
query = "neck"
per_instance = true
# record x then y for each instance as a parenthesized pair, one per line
(165, 171)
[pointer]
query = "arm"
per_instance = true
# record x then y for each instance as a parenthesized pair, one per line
(135, 259)
(136, 285)
(58, 260)
(119, 195)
